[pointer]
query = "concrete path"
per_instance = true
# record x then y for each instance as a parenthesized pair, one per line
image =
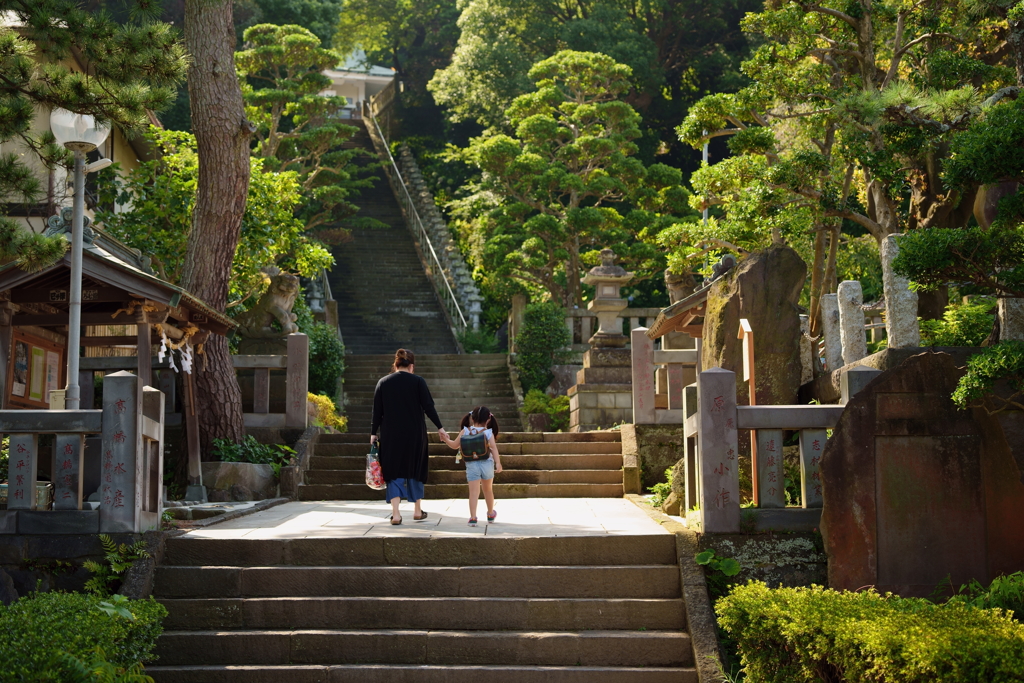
(522, 517)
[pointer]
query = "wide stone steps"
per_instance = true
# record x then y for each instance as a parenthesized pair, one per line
(426, 647)
(534, 465)
(566, 609)
(388, 673)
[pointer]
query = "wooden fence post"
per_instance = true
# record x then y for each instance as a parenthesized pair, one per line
(717, 451)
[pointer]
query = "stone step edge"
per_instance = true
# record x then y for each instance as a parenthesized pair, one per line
(609, 633)
(475, 567)
(420, 667)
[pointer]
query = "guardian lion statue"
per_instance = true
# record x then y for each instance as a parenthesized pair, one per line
(275, 304)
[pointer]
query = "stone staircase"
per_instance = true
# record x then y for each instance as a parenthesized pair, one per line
(393, 609)
(458, 383)
(385, 300)
(535, 465)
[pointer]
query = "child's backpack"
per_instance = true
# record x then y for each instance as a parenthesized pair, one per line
(474, 446)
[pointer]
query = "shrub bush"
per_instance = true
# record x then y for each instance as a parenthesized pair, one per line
(537, 401)
(1005, 592)
(966, 324)
(327, 413)
(37, 628)
(541, 344)
(481, 340)
(252, 451)
(326, 360)
(794, 635)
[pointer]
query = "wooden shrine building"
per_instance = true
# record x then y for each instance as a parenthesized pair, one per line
(119, 287)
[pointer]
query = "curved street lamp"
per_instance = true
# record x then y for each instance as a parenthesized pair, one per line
(80, 133)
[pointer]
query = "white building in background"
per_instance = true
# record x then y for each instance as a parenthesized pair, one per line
(357, 82)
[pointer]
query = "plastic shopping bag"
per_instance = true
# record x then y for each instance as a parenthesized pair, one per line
(374, 474)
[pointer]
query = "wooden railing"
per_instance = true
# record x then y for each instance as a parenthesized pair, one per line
(128, 467)
(296, 365)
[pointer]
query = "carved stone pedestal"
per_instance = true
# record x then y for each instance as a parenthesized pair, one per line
(603, 394)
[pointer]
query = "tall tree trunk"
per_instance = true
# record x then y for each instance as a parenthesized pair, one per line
(222, 136)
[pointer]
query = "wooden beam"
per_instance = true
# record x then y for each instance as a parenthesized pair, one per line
(61, 295)
(136, 285)
(59, 319)
(260, 361)
(51, 421)
(110, 341)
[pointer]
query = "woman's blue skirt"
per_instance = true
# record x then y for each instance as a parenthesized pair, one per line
(409, 489)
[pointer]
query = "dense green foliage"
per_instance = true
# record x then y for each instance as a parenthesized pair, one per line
(117, 559)
(1005, 592)
(318, 16)
(537, 401)
(298, 128)
(540, 344)
(127, 69)
(1003, 361)
(677, 51)
(983, 261)
(162, 192)
(796, 635)
(478, 341)
(965, 324)
(38, 628)
(254, 452)
(568, 180)
(326, 351)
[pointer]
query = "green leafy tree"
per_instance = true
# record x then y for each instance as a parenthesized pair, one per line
(844, 127)
(128, 70)
(297, 128)
(678, 50)
(543, 342)
(414, 37)
(318, 16)
(568, 180)
(162, 194)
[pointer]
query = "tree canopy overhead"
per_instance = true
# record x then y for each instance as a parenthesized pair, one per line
(127, 69)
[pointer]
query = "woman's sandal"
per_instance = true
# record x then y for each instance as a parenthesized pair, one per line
(393, 522)
(492, 515)
(422, 516)
(472, 521)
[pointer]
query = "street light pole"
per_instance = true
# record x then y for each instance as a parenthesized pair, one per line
(72, 395)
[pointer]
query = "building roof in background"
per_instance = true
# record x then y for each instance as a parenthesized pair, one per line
(356, 63)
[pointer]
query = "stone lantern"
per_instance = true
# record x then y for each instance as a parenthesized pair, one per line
(603, 393)
(608, 303)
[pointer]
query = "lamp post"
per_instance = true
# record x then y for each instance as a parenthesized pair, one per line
(81, 134)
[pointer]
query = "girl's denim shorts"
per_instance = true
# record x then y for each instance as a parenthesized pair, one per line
(479, 469)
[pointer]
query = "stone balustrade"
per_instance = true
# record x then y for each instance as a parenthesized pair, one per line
(458, 274)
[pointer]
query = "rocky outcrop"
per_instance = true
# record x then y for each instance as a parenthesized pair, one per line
(765, 289)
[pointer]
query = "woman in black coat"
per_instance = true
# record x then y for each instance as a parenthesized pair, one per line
(399, 403)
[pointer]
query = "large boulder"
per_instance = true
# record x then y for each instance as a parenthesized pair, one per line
(765, 289)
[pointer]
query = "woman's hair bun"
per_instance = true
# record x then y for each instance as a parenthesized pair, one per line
(403, 359)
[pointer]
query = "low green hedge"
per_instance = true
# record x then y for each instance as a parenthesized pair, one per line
(36, 628)
(796, 635)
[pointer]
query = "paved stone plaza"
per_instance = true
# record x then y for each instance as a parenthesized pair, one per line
(521, 517)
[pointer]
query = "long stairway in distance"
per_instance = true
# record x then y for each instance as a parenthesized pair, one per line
(389, 607)
(535, 465)
(458, 383)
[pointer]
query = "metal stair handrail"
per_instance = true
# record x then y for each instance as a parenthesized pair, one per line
(419, 231)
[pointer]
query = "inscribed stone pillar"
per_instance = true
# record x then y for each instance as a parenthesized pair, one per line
(675, 386)
(298, 381)
(807, 351)
(830, 331)
(851, 321)
(1011, 319)
(812, 443)
(642, 354)
(67, 476)
(717, 444)
(900, 302)
(771, 478)
(123, 467)
(22, 463)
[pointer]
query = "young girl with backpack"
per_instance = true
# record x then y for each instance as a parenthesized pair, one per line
(477, 445)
